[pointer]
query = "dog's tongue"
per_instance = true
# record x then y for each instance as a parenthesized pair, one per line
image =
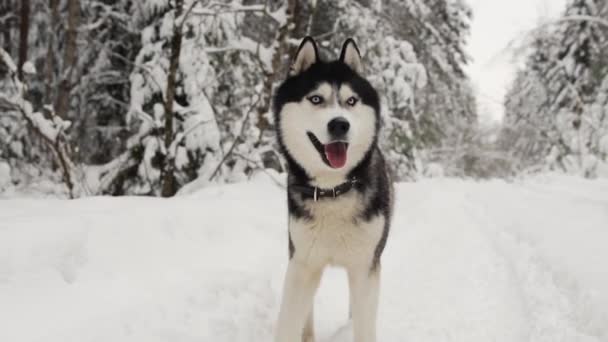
(336, 154)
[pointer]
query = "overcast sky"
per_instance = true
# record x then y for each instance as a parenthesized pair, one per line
(495, 24)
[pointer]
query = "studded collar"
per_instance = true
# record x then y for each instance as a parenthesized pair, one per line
(316, 193)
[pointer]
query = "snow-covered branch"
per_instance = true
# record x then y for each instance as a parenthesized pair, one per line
(215, 8)
(588, 18)
(52, 131)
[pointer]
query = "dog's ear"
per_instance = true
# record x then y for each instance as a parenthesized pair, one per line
(350, 55)
(306, 56)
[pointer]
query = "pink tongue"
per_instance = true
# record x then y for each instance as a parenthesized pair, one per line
(336, 154)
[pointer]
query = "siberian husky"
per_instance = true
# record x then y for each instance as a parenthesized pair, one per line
(339, 194)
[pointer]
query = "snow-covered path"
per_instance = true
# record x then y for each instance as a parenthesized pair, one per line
(466, 261)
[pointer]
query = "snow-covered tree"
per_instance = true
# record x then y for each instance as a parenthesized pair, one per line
(166, 92)
(529, 131)
(213, 109)
(445, 107)
(49, 127)
(554, 111)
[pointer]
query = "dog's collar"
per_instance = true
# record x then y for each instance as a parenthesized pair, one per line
(316, 193)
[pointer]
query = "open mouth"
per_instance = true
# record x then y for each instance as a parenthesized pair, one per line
(333, 154)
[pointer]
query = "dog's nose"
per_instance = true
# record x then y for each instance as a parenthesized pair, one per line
(338, 127)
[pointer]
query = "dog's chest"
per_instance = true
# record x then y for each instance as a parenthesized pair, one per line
(336, 234)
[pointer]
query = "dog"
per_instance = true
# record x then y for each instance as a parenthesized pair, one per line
(339, 193)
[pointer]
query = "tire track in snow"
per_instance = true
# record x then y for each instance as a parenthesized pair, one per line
(553, 308)
(442, 278)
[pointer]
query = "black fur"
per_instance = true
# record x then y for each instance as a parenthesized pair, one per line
(349, 41)
(294, 88)
(310, 40)
(372, 172)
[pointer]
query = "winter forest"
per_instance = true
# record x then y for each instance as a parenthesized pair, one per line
(499, 228)
(146, 97)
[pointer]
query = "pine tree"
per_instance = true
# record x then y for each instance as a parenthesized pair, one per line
(557, 97)
(214, 129)
(529, 131)
(445, 107)
(129, 136)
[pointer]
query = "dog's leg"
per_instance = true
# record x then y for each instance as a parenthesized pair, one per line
(364, 287)
(301, 282)
(309, 328)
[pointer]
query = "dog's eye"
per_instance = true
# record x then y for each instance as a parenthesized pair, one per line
(315, 99)
(352, 101)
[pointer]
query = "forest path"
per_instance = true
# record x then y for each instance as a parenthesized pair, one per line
(466, 261)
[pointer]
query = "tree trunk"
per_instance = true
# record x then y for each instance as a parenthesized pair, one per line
(278, 66)
(50, 54)
(169, 186)
(24, 30)
(69, 61)
(6, 25)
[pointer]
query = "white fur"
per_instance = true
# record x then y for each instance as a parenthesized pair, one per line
(297, 118)
(334, 237)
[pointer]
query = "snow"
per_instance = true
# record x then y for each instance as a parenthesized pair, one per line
(29, 68)
(48, 128)
(5, 175)
(201, 130)
(166, 27)
(8, 61)
(466, 261)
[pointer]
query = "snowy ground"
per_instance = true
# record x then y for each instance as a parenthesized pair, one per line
(466, 261)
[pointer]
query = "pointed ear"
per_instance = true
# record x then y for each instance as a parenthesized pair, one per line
(306, 56)
(350, 55)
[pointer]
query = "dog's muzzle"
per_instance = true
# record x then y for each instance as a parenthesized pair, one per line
(333, 154)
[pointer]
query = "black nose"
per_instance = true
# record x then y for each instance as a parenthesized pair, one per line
(338, 127)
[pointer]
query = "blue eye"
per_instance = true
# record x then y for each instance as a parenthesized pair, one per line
(315, 99)
(352, 101)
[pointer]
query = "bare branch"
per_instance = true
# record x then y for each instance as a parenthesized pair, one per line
(237, 138)
(588, 18)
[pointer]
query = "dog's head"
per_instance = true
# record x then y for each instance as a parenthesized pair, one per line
(326, 113)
